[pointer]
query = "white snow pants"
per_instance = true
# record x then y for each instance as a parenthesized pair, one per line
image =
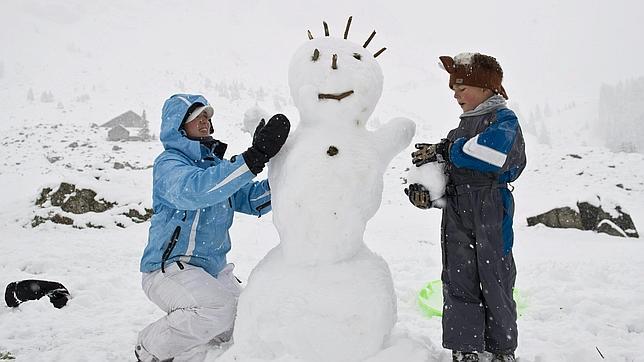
(200, 307)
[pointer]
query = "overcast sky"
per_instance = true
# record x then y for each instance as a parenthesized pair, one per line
(552, 51)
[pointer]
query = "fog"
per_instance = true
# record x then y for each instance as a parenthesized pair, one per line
(552, 52)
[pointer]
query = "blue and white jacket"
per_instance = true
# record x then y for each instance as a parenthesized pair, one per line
(195, 195)
(488, 150)
(487, 145)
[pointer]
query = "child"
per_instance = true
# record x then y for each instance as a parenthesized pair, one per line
(482, 155)
(195, 194)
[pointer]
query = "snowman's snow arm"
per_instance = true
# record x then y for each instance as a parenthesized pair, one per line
(252, 117)
(394, 136)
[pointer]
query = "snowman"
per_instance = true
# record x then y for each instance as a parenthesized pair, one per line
(321, 294)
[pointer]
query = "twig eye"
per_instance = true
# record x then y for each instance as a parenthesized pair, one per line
(357, 56)
(316, 55)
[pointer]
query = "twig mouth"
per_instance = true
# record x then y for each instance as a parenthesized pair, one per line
(338, 97)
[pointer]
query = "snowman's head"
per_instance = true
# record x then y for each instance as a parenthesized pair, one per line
(335, 81)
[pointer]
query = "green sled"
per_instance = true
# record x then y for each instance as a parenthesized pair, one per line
(430, 299)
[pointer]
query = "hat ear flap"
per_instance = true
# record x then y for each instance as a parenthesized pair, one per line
(448, 63)
(503, 92)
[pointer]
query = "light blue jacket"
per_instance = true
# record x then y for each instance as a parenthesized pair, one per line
(194, 197)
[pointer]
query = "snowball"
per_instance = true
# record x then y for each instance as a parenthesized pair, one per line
(432, 176)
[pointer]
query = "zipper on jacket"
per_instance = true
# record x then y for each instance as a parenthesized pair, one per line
(171, 244)
(262, 206)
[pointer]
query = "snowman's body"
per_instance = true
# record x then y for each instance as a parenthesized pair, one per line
(321, 294)
(322, 218)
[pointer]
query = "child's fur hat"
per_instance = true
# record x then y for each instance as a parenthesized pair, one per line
(475, 69)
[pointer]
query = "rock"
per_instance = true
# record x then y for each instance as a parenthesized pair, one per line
(137, 217)
(43, 196)
(56, 218)
(589, 217)
(592, 216)
(625, 222)
(563, 217)
(83, 200)
(608, 227)
(59, 219)
(37, 220)
(69, 199)
(58, 197)
(53, 159)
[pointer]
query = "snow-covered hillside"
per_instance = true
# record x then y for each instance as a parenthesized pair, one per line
(67, 65)
(583, 290)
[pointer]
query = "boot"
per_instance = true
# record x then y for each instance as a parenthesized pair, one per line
(503, 357)
(458, 356)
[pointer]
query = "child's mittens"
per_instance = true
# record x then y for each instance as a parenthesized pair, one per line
(418, 196)
(433, 178)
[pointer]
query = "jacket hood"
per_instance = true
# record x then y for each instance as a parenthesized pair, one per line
(174, 110)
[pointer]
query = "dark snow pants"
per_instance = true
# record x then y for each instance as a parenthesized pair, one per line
(478, 275)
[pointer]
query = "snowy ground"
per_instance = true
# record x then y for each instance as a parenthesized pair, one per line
(584, 291)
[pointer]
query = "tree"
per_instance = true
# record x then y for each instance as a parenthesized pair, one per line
(261, 94)
(144, 132)
(537, 113)
(544, 135)
(47, 97)
(547, 112)
(222, 90)
(234, 91)
(621, 113)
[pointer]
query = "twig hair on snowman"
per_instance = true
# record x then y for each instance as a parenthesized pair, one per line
(332, 74)
(334, 58)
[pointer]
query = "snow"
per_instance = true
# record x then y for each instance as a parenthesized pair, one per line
(583, 290)
(252, 116)
(326, 183)
(463, 58)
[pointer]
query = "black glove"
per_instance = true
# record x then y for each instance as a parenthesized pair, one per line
(259, 127)
(418, 196)
(438, 152)
(268, 139)
(24, 290)
(255, 160)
